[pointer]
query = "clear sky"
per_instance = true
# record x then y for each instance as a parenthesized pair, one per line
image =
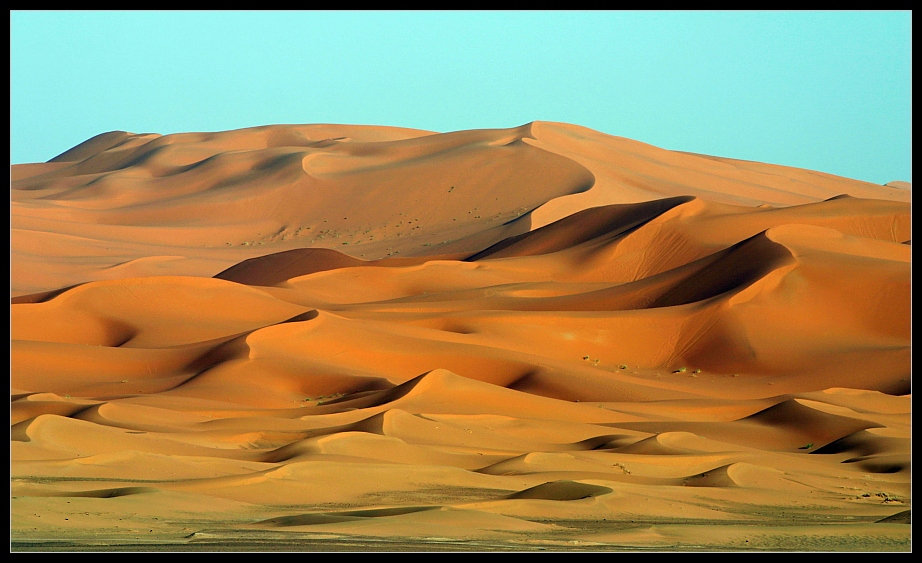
(828, 91)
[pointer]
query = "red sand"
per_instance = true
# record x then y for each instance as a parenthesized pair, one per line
(539, 337)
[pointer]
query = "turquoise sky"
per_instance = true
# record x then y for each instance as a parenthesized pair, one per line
(828, 91)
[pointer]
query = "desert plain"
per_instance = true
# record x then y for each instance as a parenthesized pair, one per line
(367, 338)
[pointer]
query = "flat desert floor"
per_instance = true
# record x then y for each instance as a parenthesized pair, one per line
(358, 338)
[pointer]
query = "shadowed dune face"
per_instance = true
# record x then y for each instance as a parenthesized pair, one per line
(535, 335)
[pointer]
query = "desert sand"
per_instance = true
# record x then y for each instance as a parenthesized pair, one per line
(363, 338)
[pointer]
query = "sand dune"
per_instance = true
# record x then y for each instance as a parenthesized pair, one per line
(536, 337)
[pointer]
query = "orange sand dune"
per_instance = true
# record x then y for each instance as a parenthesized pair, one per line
(351, 337)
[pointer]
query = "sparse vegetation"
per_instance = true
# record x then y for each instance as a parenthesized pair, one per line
(320, 398)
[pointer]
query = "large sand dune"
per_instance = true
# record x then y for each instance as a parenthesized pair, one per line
(350, 337)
